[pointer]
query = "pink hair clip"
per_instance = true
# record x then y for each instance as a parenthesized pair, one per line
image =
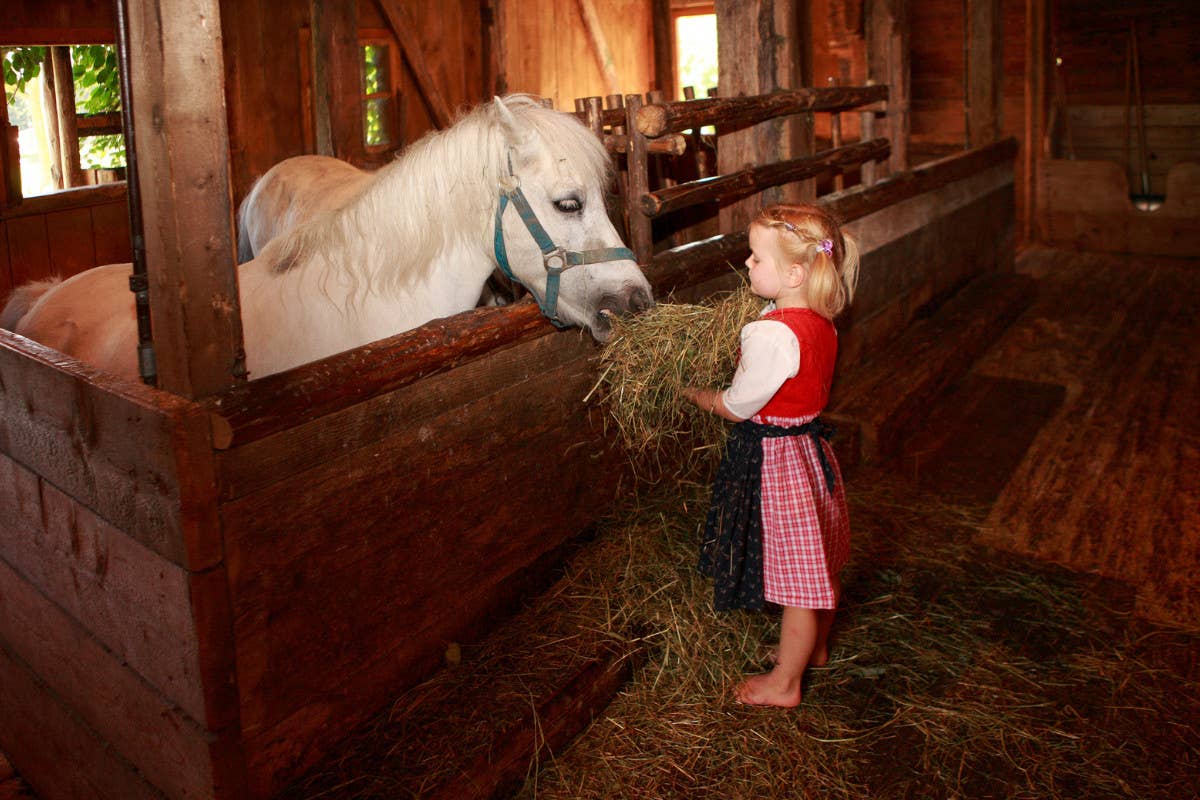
(825, 246)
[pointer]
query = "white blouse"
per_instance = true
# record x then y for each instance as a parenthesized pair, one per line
(770, 355)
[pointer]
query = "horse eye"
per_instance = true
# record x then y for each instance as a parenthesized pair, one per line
(569, 205)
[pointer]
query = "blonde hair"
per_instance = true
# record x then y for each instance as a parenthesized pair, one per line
(808, 235)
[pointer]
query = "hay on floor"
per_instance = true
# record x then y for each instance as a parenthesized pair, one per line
(954, 672)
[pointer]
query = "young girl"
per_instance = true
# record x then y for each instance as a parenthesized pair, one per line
(777, 527)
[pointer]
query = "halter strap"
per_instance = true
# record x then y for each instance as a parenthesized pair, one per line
(556, 260)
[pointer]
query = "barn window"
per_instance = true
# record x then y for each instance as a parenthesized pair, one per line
(380, 131)
(695, 48)
(61, 118)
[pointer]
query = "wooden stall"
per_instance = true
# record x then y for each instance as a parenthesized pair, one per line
(253, 574)
(203, 587)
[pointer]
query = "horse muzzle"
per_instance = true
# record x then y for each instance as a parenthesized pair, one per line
(631, 298)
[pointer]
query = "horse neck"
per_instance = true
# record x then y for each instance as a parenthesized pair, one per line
(398, 231)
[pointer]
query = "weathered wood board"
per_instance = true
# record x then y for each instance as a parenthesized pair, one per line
(1085, 205)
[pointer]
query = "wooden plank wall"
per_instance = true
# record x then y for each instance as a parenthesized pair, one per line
(1092, 35)
(267, 60)
(63, 234)
(938, 68)
(115, 635)
(1109, 133)
(547, 51)
(362, 542)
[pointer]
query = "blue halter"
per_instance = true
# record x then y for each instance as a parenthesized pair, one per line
(557, 260)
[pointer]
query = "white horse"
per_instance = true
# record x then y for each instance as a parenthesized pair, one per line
(412, 242)
(301, 188)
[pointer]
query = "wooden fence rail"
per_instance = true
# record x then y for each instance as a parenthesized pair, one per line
(743, 183)
(645, 130)
(732, 112)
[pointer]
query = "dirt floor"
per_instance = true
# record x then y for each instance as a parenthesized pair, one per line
(1019, 619)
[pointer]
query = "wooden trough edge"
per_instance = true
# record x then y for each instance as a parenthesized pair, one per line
(262, 407)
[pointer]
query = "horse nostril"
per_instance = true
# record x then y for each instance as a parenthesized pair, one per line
(640, 300)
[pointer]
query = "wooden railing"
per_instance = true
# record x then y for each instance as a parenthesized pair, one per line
(643, 131)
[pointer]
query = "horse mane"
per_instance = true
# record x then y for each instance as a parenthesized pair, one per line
(440, 193)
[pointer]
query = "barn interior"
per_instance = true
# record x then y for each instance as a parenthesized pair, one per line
(1016, 396)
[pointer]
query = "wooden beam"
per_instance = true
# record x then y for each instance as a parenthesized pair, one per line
(887, 37)
(760, 51)
(735, 112)
(664, 47)
(287, 399)
(178, 99)
(405, 31)
(335, 60)
(547, 729)
(604, 59)
(743, 183)
(985, 71)
(693, 263)
(64, 99)
(1036, 49)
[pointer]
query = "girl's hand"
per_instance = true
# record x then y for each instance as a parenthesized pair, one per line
(709, 400)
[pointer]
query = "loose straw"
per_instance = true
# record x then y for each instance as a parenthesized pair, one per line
(652, 356)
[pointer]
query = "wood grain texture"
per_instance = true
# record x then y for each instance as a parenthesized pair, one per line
(887, 396)
(128, 597)
(137, 457)
(357, 548)
(43, 736)
(171, 750)
(1109, 485)
(183, 170)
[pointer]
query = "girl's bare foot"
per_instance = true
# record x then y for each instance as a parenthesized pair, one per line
(770, 689)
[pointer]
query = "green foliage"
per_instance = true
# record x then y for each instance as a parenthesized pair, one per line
(97, 80)
(96, 76)
(21, 65)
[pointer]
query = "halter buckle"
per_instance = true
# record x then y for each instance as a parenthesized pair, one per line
(555, 260)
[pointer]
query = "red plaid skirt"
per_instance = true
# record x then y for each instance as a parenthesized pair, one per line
(806, 530)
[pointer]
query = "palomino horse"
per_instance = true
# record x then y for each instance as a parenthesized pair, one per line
(412, 242)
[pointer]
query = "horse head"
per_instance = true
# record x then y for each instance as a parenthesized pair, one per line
(558, 240)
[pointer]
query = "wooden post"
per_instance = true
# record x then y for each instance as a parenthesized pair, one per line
(1036, 46)
(617, 102)
(50, 112)
(641, 236)
(887, 38)
(335, 60)
(759, 50)
(985, 71)
(178, 97)
(68, 130)
(867, 128)
(10, 159)
(835, 139)
(604, 59)
(405, 31)
(664, 47)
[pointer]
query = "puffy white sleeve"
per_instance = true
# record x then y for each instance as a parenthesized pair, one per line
(770, 355)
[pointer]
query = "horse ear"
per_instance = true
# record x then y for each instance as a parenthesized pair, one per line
(514, 132)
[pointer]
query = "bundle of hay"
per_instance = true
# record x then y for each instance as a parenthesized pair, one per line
(652, 356)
